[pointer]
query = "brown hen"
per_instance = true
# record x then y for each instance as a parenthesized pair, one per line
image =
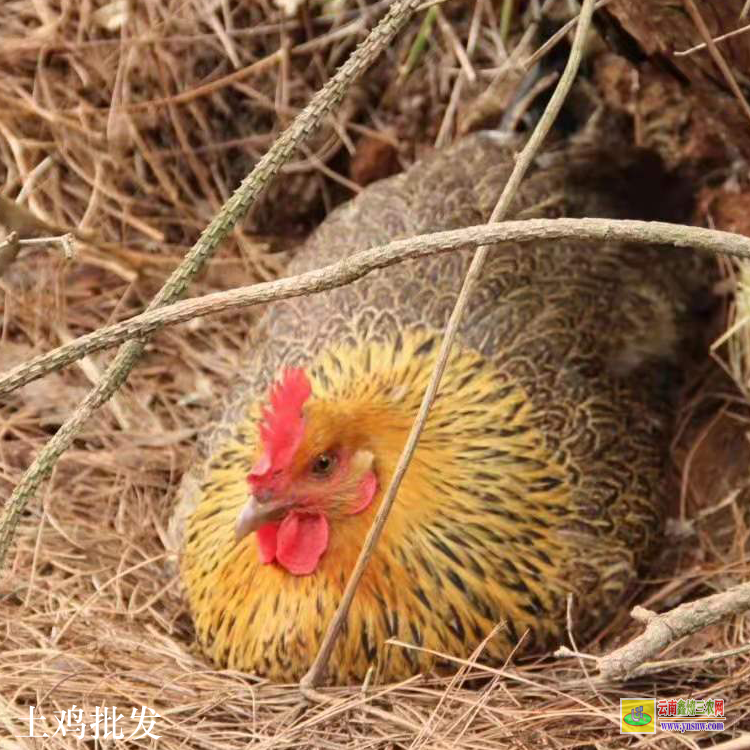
(541, 469)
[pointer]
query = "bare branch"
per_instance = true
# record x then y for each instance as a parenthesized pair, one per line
(11, 246)
(363, 262)
(236, 207)
(716, 39)
(649, 667)
(664, 629)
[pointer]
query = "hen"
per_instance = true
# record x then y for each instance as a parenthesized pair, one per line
(539, 474)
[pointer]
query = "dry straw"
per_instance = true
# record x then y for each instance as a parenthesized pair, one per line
(89, 614)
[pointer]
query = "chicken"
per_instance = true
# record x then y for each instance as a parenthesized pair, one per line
(541, 469)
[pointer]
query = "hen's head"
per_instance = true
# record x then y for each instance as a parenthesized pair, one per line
(312, 469)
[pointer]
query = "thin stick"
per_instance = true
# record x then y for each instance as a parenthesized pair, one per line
(236, 207)
(359, 264)
(716, 55)
(317, 670)
(664, 629)
(650, 667)
(33, 177)
(11, 246)
(703, 45)
(458, 49)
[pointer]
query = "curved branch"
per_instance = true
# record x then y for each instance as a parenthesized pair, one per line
(661, 630)
(361, 263)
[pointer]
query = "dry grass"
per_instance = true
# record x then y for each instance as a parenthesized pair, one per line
(89, 614)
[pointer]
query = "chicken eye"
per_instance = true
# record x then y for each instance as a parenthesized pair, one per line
(323, 465)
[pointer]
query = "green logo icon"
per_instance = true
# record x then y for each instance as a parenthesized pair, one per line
(637, 717)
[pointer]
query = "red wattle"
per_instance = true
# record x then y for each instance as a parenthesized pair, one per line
(301, 540)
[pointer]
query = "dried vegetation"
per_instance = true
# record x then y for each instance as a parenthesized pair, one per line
(134, 126)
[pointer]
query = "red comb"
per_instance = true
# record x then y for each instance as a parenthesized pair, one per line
(282, 428)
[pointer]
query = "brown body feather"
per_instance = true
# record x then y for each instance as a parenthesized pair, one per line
(540, 472)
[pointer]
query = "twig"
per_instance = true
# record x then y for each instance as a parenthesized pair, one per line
(565, 652)
(361, 263)
(317, 670)
(664, 629)
(716, 55)
(703, 45)
(186, 97)
(20, 221)
(650, 667)
(446, 126)
(66, 242)
(236, 207)
(33, 177)
(506, 16)
(574, 646)
(458, 49)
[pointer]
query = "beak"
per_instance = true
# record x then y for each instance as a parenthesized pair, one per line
(255, 514)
